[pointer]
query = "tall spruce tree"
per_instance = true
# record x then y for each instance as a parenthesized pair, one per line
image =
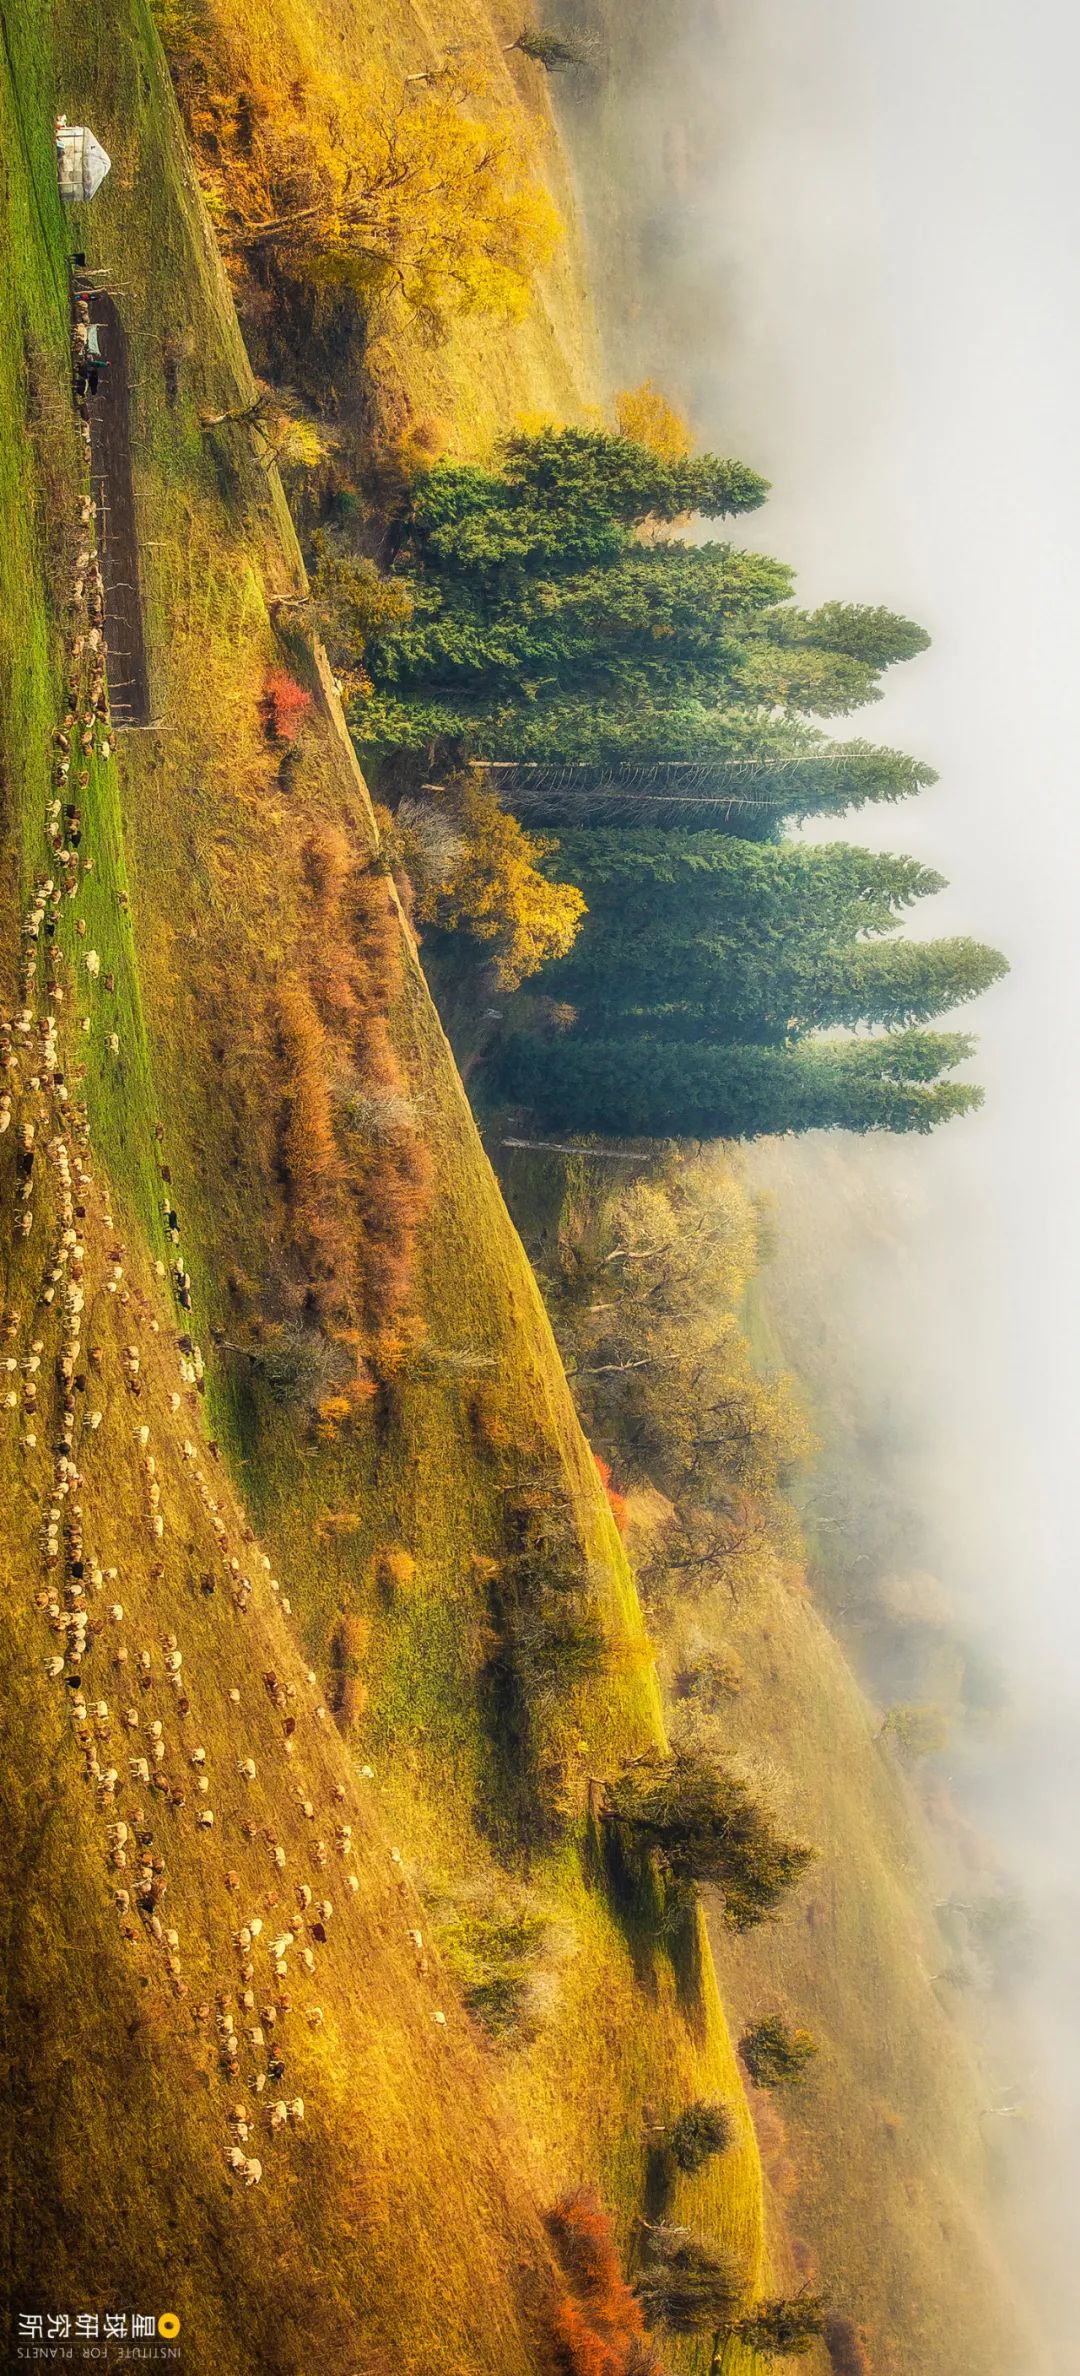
(903, 982)
(561, 499)
(571, 761)
(536, 586)
(650, 1088)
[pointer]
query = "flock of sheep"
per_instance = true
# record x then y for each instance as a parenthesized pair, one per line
(136, 1726)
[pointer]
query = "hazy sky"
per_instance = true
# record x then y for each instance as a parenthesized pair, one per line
(894, 223)
(896, 216)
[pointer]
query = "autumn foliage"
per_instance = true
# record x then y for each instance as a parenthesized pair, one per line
(285, 705)
(599, 2322)
(491, 884)
(847, 2347)
(425, 188)
(616, 1500)
(652, 420)
(356, 1194)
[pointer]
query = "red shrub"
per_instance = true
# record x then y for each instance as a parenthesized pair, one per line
(584, 2352)
(846, 2346)
(599, 2324)
(309, 1151)
(616, 1500)
(285, 704)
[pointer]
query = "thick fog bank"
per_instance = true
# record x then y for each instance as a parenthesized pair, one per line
(854, 253)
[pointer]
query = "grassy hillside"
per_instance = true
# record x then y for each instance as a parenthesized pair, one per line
(886, 2167)
(883, 2163)
(405, 2210)
(479, 373)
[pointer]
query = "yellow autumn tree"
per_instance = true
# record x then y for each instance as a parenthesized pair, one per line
(414, 186)
(480, 873)
(651, 420)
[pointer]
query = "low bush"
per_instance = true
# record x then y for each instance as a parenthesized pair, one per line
(616, 1500)
(711, 1679)
(776, 2055)
(309, 1153)
(847, 2346)
(492, 1953)
(699, 2133)
(296, 1365)
(687, 2285)
(492, 1418)
(285, 705)
(348, 1654)
(599, 2323)
(785, 2328)
(358, 1176)
(395, 1569)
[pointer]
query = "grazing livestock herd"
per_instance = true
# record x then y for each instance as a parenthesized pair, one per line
(76, 1313)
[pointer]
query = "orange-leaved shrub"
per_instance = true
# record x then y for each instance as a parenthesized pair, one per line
(349, 1651)
(847, 2347)
(357, 1173)
(309, 1151)
(616, 1500)
(285, 705)
(599, 2322)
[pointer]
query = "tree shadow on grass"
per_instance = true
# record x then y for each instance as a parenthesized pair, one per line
(634, 1892)
(659, 2183)
(682, 1942)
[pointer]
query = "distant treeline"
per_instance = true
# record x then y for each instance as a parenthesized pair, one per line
(653, 700)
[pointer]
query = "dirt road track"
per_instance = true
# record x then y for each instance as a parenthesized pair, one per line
(114, 497)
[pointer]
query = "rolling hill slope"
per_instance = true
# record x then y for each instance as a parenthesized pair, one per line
(398, 2225)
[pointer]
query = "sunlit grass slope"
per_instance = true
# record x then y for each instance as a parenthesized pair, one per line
(480, 373)
(425, 2147)
(887, 2164)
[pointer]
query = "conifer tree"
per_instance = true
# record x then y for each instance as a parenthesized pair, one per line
(653, 1088)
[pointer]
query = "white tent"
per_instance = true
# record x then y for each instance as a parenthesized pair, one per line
(81, 162)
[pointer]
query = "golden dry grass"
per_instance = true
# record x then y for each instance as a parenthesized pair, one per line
(482, 373)
(222, 890)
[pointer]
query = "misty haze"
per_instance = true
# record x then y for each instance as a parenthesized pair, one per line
(540, 1644)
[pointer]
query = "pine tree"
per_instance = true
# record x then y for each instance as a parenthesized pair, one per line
(562, 498)
(599, 471)
(570, 761)
(870, 887)
(651, 1088)
(663, 621)
(878, 637)
(903, 982)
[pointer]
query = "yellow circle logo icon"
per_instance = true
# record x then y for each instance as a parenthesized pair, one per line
(168, 2324)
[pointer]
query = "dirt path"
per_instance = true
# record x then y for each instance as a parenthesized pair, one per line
(114, 497)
